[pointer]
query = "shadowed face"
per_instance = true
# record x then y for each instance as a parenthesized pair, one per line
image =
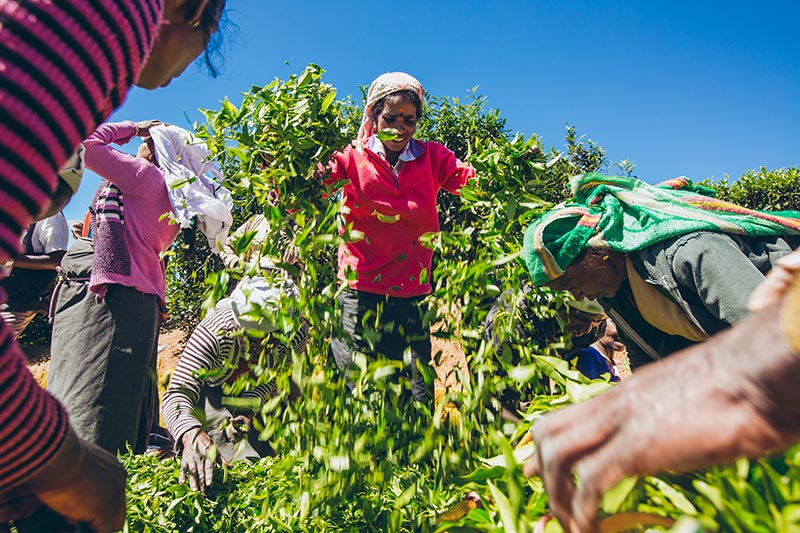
(146, 150)
(179, 42)
(400, 113)
(610, 340)
(594, 274)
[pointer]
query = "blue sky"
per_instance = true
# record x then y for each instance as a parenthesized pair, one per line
(700, 89)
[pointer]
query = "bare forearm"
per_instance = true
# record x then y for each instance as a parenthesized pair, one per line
(733, 395)
(39, 262)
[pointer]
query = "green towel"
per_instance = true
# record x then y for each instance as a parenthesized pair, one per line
(626, 214)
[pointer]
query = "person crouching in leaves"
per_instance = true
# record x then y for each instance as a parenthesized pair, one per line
(217, 354)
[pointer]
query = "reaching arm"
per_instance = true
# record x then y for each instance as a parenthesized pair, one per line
(202, 352)
(452, 172)
(121, 169)
(734, 395)
(39, 262)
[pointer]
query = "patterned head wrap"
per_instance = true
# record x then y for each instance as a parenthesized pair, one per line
(383, 86)
(625, 215)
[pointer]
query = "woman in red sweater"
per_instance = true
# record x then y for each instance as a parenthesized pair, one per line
(389, 194)
(64, 66)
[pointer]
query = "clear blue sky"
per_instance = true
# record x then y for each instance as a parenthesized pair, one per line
(700, 89)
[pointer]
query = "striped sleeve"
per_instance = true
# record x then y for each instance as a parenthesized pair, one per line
(33, 425)
(64, 66)
(205, 350)
(279, 359)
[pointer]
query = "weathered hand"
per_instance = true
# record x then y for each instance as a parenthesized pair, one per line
(237, 428)
(83, 483)
(197, 460)
(143, 127)
(733, 395)
(776, 283)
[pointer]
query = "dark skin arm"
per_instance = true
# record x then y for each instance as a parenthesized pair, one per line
(734, 395)
(39, 262)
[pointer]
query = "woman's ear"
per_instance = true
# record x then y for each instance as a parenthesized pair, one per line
(187, 11)
(193, 17)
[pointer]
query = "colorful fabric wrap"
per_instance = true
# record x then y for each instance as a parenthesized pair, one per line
(383, 86)
(625, 215)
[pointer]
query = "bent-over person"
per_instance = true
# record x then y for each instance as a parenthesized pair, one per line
(218, 352)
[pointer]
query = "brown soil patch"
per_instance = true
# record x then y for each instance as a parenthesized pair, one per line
(171, 343)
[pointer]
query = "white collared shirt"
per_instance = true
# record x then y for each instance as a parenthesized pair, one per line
(410, 152)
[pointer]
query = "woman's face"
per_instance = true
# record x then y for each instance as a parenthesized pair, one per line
(146, 151)
(400, 113)
(593, 275)
(179, 42)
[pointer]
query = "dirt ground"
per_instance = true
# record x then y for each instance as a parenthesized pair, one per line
(170, 346)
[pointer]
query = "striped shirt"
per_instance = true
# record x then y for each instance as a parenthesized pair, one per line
(213, 356)
(64, 66)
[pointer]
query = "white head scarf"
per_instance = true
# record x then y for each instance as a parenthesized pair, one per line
(183, 158)
(383, 86)
(255, 302)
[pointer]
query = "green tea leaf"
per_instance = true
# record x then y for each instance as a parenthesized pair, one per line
(387, 134)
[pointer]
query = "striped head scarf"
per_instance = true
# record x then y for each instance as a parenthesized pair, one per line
(625, 215)
(383, 86)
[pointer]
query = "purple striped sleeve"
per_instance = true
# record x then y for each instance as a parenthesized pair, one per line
(65, 65)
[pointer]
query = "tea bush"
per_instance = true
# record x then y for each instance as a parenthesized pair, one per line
(372, 460)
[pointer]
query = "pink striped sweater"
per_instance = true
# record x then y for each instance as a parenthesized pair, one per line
(64, 66)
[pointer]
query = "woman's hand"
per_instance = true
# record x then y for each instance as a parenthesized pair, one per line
(733, 395)
(237, 428)
(143, 127)
(197, 460)
(83, 483)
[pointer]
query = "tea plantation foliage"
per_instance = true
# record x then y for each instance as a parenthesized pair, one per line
(372, 460)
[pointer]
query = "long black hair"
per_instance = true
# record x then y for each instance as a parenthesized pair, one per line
(213, 23)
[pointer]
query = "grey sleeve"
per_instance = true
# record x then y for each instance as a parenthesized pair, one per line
(713, 270)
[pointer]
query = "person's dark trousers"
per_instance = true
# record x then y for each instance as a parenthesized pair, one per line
(375, 324)
(216, 413)
(103, 363)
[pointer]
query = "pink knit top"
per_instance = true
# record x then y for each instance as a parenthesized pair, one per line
(64, 66)
(146, 231)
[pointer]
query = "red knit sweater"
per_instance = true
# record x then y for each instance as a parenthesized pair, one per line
(390, 212)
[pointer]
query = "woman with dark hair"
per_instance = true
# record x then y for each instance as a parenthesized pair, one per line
(65, 65)
(390, 186)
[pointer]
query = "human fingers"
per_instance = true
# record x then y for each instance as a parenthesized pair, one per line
(791, 261)
(559, 485)
(192, 475)
(772, 289)
(566, 438)
(596, 473)
(143, 127)
(18, 503)
(208, 475)
(188, 470)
